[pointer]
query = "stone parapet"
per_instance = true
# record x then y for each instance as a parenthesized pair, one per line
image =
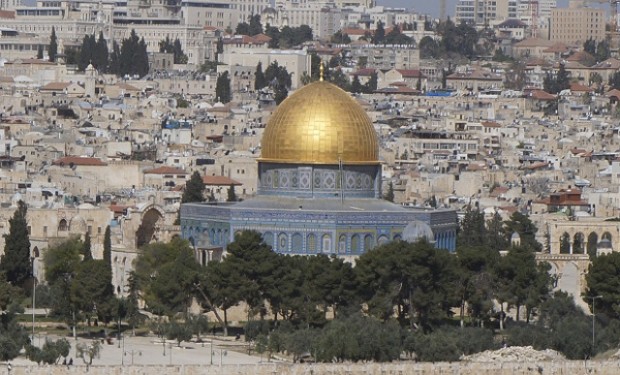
(461, 368)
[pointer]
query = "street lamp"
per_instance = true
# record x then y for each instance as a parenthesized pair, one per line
(593, 318)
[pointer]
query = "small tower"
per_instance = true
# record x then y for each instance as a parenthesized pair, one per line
(90, 79)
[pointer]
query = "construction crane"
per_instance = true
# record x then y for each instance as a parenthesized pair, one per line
(442, 10)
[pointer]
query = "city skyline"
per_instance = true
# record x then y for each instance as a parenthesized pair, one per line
(432, 7)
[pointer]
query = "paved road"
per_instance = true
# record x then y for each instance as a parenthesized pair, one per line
(150, 350)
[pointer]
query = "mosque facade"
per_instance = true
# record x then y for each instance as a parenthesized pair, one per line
(319, 187)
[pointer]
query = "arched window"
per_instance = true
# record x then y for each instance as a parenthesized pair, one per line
(578, 243)
(311, 244)
(382, 240)
(62, 226)
(368, 244)
(268, 238)
(297, 243)
(326, 243)
(565, 243)
(282, 242)
(397, 237)
(342, 244)
(355, 243)
(592, 244)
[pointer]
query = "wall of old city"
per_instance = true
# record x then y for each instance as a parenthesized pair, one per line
(550, 367)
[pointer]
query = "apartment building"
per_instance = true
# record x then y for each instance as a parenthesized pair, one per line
(485, 12)
(575, 25)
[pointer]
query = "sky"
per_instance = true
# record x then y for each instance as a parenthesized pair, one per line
(432, 6)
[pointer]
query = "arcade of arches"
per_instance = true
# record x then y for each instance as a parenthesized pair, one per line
(570, 245)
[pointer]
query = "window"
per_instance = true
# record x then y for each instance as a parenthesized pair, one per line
(62, 226)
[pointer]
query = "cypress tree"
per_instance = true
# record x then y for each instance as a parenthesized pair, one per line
(179, 56)
(232, 196)
(389, 195)
(107, 246)
(259, 77)
(115, 59)
(53, 47)
(86, 248)
(222, 88)
(15, 262)
(100, 55)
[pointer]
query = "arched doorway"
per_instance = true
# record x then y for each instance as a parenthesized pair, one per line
(578, 243)
(146, 232)
(592, 243)
(565, 243)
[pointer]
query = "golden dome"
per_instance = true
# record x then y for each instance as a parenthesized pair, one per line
(320, 124)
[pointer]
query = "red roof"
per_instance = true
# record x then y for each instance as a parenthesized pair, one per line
(490, 124)
(165, 170)
(7, 14)
(364, 72)
(351, 31)
(541, 95)
(220, 181)
(410, 73)
(68, 161)
(580, 88)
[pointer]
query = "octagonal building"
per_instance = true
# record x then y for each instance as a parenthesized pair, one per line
(319, 186)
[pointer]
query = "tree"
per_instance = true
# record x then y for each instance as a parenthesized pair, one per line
(429, 48)
(179, 331)
(52, 50)
(40, 52)
(526, 229)
(340, 38)
(379, 35)
(133, 59)
(253, 261)
(50, 353)
(107, 246)
(222, 88)
(602, 278)
(476, 281)
(115, 59)
(91, 289)
(371, 85)
(259, 78)
(522, 282)
(232, 197)
(413, 279)
(88, 352)
(389, 195)
(166, 275)
(15, 261)
(87, 51)
(496, 239)
(101, 55)
(61, 266)
(589, 46)
(255, 26)
(473, 231)
(194, 189)
(603, 51)
(86, 248)
(356, 85)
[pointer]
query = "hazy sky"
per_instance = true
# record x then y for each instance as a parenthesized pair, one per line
(432, 6)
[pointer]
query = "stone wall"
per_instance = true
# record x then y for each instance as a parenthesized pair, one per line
(564, 367)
